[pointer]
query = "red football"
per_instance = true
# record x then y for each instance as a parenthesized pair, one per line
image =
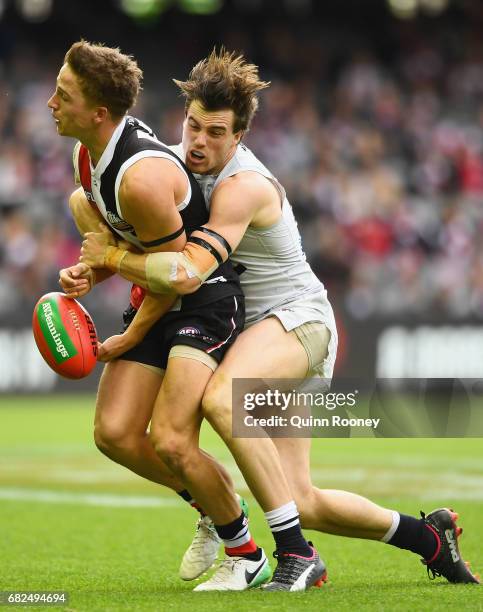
(65, 335)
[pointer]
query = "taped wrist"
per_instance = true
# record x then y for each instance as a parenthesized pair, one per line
(113, 258)
(163, 269)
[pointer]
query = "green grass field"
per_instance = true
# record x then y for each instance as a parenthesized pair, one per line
(72, 520)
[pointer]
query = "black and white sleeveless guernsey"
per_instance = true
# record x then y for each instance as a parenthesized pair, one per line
(131, 141)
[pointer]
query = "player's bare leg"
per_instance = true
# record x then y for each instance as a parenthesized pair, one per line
(347, 514)
(266, 351)
(331, 511)
(175, 436)
(125, 401)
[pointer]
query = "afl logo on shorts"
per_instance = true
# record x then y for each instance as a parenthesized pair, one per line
(188, 331)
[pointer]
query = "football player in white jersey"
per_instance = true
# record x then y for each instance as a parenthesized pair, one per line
(290, 333)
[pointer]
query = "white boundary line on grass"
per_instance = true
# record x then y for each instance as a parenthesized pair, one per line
(86, 499)
(108, 500)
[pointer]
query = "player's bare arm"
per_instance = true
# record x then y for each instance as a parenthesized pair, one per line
(79, 279)
(86, 216)
(147, 196)
(151, 309)
(245, 199)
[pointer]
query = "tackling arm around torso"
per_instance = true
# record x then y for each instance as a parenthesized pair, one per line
(245, 199)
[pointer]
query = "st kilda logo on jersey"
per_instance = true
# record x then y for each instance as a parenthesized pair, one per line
(118, 223)
(89, 196)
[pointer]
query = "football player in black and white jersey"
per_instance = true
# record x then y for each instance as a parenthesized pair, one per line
(290, 333)
(140, 192)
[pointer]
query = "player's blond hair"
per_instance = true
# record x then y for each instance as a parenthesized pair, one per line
(106, 76)
(224, 80)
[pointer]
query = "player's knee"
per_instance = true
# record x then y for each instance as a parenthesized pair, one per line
(217, 405)
(111, 437)
(101, 442)
(173, 449)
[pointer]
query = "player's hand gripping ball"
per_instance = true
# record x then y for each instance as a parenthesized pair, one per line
(65, 335)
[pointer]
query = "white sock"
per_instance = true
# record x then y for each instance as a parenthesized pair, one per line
(392, 529)
(284, 517)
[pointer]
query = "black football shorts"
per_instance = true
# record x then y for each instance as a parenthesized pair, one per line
(211, 328)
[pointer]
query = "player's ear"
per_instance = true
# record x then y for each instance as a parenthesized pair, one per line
(101, 114)
(239, 136)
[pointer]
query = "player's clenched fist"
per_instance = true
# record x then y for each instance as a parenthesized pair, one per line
(93, 251)
(76, 280)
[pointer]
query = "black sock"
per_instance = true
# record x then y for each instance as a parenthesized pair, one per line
(186, 495)
(284, 524)
(237, 539)
(292, 541)
(233, 529)
(413, 534)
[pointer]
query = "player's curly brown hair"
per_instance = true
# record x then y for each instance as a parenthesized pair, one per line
(106, 76)
(224, 80)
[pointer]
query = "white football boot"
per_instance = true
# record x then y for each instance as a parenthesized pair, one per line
(238, 574)
(202, 552)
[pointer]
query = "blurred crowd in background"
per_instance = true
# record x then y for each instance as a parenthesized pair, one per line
(381, 156)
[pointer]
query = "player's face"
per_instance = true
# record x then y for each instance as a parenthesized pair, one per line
(72, 113)
(208, 139)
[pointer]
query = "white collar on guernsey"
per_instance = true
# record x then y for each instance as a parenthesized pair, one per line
(108, 152)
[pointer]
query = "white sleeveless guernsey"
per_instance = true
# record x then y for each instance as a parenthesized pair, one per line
(278, 280)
